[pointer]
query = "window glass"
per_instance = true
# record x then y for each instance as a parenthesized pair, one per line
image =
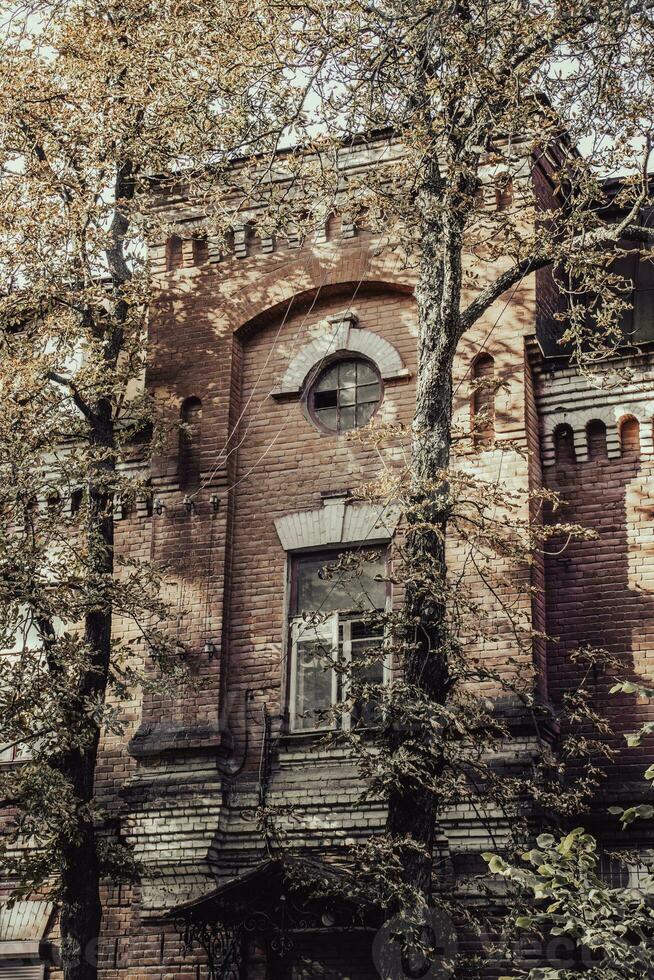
(614, 872)
(342, 589)
(325, 585)
(26, 638)
(314, 681)
(345, 395)
(328, 380)
(364, 640)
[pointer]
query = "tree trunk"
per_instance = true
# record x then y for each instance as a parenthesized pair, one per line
(81, 910)
(413, 807)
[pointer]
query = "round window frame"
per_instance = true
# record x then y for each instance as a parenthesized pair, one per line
(317, 373)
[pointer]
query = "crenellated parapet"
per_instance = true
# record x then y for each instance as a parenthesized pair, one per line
(584, 418)
(191, 246)
(191, 241)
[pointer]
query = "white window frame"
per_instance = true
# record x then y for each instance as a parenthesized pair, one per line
(329, 630)
(25, 639)
(14, 753)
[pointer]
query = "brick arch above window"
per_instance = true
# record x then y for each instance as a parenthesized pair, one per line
(629, 430)
(338, 521)
(341, 334)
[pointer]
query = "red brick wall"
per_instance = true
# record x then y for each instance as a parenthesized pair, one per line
(284, 463)
(600, 592)
(224, 333)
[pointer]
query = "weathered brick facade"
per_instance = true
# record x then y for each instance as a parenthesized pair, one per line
(230, 336)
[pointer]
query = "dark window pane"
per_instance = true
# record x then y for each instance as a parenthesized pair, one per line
(328, 418)
(328, 380)
(340, 389)
(346, 418)
(366, 643)
(368, 393)
(369, 629)
(342, 588)
(364, 414)
(313, 682)
(347, 396)
(312, 587)
(347, 375)
(365, 374)
(326, 399)
(375, 584)
(364, 715)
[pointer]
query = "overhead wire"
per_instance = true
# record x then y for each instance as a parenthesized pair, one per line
(220, 457)
(283, 427)
(388, 503)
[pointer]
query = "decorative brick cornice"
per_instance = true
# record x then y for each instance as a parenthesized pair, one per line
(338, 521)
(341, 333)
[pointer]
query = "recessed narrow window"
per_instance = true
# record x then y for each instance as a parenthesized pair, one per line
(504, 194)
(148, 498)
(252, 239)
(334, 227)
(200, 249)
(564, 446)
(332, 599)
(596, 440)
(189, 444)
(483, 400)
(630, 438)
(345, 395)
(76, 500)
(174, 253)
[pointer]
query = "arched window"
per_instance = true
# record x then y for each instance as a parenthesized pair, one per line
(483, 400)
(76, 500)
(148, 498)
(252, 239)
(200, 249)
(616, 873)
(596, 440)
(189, 444)
(630, 438)
(334, 227)
(564, 446)
(174, 254)
(345, 395)
(504, 194)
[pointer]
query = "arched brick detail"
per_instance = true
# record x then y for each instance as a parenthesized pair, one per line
(300, 282)
(612, 416)
(25, 922)
(337, 522)
(342, 334)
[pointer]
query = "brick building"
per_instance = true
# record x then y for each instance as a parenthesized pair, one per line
(270, 354)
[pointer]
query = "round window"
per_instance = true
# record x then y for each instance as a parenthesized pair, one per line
(345, 395)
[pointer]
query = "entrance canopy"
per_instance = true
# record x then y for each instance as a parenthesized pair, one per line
(277, 905)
